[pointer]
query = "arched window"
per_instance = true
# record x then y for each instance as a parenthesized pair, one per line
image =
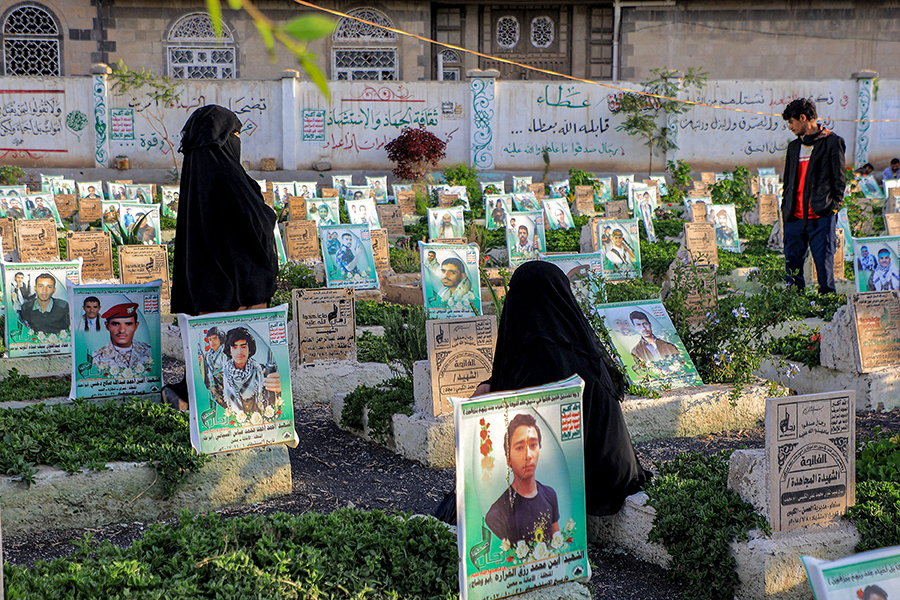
(364, 50)
(195, 52)
(448, 64)
(32, 42)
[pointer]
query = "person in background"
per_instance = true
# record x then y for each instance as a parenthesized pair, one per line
(893, 171)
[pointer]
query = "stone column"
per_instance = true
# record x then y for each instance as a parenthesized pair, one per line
(289, 124)
(866, 83)
(483, 118)
(100, 90)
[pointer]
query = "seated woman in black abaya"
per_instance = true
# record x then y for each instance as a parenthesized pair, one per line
(544, 337)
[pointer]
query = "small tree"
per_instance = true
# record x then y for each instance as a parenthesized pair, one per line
(415, 151)
(642, 112)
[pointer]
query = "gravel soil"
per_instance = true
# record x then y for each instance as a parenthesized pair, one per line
(333, 469)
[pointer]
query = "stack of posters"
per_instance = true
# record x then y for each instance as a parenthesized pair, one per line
(348, 256)
(524, 237)
(239, 379)
(724, 219)
(504, 547)
(876, 264)
(645, 341)
(446, 223)
(37, 307)
(116, 339)
(620, 244)
(450, 280)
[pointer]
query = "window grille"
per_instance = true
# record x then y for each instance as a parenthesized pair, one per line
(31, 43)
(196, 52)
(507, 32)
(541, 32)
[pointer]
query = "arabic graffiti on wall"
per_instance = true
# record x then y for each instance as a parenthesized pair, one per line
(482, 118)
(121, 123)
(31, 121)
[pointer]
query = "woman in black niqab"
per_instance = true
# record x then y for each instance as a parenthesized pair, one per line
(544, 337)
(225, 257)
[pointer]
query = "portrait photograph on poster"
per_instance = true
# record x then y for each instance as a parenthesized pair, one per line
(116, 347)
(341, 183)
(649, 349)
(363, 212)
(560, 189)
(238, 379)
(620, 244)
(91, 189)
(324, 212)
(520, 184)
(41, 206)
(169, 200)
(526, 202)
(524, 236)
(450, 280)
(141, 220)
(724, 219)
(377, 189)
(496, 207)
(37, 307)
(520, 489)
(348, 257)
(876, 263)
(558, 214)
(305, 189)
(446, 223)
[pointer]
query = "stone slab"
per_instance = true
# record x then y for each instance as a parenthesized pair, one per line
(57, 364)
(693, 411)
(130, 492)
(425, 439)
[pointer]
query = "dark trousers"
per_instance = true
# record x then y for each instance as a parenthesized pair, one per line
(819, 236)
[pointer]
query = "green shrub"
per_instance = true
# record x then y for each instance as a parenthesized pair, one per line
(15, 387)
(802, 346)
(345, 554)
(383, 402)
(697, 517)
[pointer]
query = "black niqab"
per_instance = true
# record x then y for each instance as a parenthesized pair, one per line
(225, 255)
(544, 337)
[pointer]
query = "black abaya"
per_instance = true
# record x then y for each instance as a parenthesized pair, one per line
(544, 337)
(225, 255)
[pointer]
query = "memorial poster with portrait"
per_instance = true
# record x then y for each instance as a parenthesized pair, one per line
(446, 223)
(90, 189)
(872, 575)
(139, 192)
(363, 212)
(643, 209)
(506, 548)
(170, 200)
(577, 265)
(520, 184)
(623, 183)
(305, 189)
(348, 256)
(870, 188)
(324, 212)
(724, 219)
(603, 190)
(281, 190)
(647, 346)
(492, 187)
(40, 206)
(524, 236)
(377, 189)
(621, 247)
(450, 280)
(461, 192)
(37, 307)
(496, 207)
(876, 263)
(558, 214)
(116, 345)
(134, 218)
(341, 183)
(239, 379)
(843, 222)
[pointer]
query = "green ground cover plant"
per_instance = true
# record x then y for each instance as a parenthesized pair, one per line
(803, 346)
(697, 517)
(291, 276)
(85, 435)
(877, 511)
(347, 554)
(16, 387)
(393, 397)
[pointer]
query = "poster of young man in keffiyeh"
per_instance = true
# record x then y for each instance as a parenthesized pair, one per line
(520, 492)
(876, 263)
(450, 280)
(239, 379)
(37, 307)
(116, 339)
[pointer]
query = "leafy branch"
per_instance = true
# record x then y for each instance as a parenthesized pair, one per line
(293, 35)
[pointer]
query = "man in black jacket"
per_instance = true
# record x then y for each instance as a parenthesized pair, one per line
(813, 191)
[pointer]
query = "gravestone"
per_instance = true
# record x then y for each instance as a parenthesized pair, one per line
(381, 252)
(296, 208)
(89, 210)
(699, 281)
(584, 199)
(700, 242)
(8, 233)
(892, 223)
(838, 258)
(391, 218)
(538, 190)
(95, 250)
(698, 194)
(329, 193)
(768, 209)
(140, 264)
(455, 241)
(698, 212)
(269, 198)
(447, 200)
(617, 209)
(301, 240)
(407, 201)
(325, 319)
(700, 187)
(66, 205)
(876, 316)
(36, 240)
(708, 178)
(891, 202)
(461, 353)
(811, 446)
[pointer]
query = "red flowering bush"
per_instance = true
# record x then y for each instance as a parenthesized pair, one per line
(414, 150)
